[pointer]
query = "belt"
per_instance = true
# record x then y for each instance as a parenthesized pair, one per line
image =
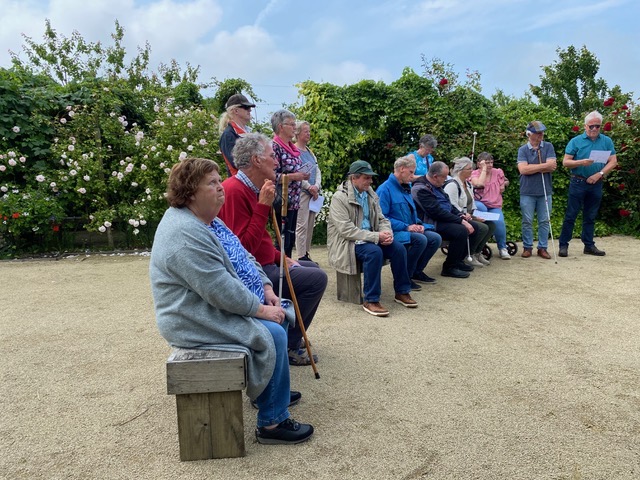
(579, 177)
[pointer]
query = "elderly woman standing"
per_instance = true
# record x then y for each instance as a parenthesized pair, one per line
(289, 161)
(460, 194)
(233, 124)
(424, 159)
(209, 292)
(310, 190)
(489, 183)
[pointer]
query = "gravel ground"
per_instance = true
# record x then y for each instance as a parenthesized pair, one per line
(527, 370)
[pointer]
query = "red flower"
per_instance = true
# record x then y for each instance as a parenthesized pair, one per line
(16, 215)
(443, 82)
(609, 101)
(575, 128)
(624, 107)
(632, 171)
(55, 227)
(621, 187)
(628, 121)
(624, 213)
(615, 112)
(607, 127)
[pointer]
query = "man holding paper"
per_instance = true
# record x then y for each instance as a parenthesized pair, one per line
(590, 157)
(310, 198)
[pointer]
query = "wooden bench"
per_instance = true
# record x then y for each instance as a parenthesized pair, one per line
(208, 387)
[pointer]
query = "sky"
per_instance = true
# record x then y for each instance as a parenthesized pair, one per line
(274, 44)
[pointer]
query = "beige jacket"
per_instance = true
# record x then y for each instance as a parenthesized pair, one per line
(343, 227)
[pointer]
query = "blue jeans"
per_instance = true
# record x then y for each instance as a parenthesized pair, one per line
(501, 229)
(530, 204)
(273, 402)
(372, 257)
(420, 250)
(585, 197)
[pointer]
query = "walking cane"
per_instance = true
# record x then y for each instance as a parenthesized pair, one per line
(546, 204)
(473, 148)
(285, 271)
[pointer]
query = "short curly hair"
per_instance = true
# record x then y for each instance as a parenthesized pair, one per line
(185, 177)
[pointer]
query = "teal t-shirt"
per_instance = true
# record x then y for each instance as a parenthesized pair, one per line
(580, 147)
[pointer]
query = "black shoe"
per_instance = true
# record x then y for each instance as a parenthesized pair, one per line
(306, 258)
(415, 286)
(294, 399)
(464, 267)
(593, 250)
(287, 432)
(423, 278)
(454, 272)
(563, 252)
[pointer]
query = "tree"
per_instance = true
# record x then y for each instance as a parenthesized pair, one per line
(570, 83)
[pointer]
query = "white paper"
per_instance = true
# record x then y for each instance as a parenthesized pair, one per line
(599, 156)
(490, 216)
(316, 205)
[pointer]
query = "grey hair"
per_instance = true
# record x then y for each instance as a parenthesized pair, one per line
(485, 156)
(437, 168)
(278, 118)
(408, 161)
(460, 164)
(595, 114)
(299, 125)
(247, 146)
(428, 141)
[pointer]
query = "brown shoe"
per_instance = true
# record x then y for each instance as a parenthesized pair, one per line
(544, 254)
(406, 300)
(526, 253)
(375, 309)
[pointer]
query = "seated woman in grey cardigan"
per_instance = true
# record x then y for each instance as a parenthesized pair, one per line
(460, 194)
(209, 292)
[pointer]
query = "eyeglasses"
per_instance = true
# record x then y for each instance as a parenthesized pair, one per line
(488, 162)
(594, 127)
(245, 107)
(289, 124)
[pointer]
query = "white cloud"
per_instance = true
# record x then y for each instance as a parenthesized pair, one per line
(348, 72)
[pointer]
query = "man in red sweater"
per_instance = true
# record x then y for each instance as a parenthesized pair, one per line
(249, 195)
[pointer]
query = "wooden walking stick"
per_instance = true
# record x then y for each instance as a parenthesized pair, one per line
(283, 269)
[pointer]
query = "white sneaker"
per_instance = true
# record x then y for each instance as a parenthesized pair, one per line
(504, 254)
(481, 259)
(473, 261)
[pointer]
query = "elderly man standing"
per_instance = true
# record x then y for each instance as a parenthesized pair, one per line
(397, 205)
(249, 196)
(587, 176)
(434, 207)
(357, 231)
(536, 161)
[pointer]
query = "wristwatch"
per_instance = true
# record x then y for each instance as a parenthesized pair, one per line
(601, 173)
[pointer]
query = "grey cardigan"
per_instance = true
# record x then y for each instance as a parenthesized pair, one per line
(200, 301)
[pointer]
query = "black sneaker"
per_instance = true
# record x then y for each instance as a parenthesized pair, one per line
(454, 272)
(294, 399)
(415, 286)
(464, 267)
(563, 252)
(593, 250)
(423, 278)
(287, 432)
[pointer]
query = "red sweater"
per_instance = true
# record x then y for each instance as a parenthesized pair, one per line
(248, 219)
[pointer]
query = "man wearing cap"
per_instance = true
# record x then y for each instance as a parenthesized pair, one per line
(585, 187)
(357, 231)
(233, 124)
(536, 161)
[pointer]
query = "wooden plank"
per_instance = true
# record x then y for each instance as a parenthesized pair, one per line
(194, 427)
(227, 425)
(349, 288)
(204, 371)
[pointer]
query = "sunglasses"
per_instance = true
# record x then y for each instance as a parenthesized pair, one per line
(244, 107)
(594, 127)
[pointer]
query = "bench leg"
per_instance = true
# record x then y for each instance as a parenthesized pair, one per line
(349, 288)
(210, 425)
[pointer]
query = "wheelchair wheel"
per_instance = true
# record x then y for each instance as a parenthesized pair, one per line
(487, 253)
(512, 248)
